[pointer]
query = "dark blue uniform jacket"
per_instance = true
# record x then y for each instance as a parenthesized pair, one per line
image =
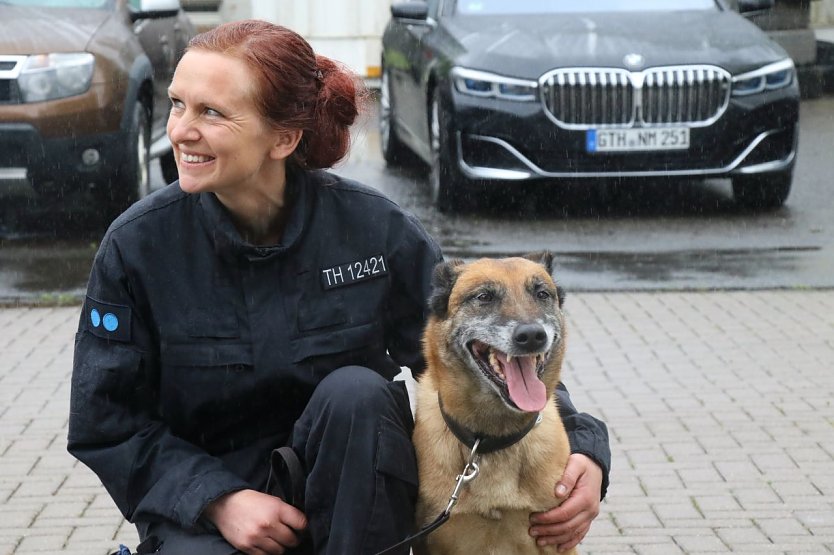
(196, 351)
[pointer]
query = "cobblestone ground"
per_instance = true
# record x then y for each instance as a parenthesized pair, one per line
(720, 408)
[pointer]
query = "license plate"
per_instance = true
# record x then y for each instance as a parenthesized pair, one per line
(637, 140)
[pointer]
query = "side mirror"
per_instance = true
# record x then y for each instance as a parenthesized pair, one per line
(418, 11)
(150, 9)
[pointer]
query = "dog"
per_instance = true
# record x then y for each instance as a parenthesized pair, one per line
(494, 344)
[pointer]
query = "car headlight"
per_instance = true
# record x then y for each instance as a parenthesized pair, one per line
(51, 76)
(770, 77)
(490, 85)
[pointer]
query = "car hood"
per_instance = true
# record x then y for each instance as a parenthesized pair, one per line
(527, 46)
(42, 30)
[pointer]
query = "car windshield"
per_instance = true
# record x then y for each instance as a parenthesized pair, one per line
(490, 7)
(57, 3)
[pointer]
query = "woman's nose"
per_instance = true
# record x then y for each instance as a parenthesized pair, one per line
(181, 128)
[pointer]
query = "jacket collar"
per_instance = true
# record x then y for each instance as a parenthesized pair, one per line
(218, 223)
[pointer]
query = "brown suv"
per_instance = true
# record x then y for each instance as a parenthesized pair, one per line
(83, 97)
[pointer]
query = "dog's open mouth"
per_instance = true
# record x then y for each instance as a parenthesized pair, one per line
(517, 377)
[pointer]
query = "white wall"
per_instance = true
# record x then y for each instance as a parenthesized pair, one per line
(346, 30)
(822, 13)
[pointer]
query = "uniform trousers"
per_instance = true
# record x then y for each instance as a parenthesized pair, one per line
(354, 437)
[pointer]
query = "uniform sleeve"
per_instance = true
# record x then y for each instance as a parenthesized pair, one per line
(114, 422)
(413, 257)
(587, 435)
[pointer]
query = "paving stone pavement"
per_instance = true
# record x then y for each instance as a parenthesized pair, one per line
(720, 407)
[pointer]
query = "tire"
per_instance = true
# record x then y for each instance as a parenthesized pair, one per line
(395, 153)
(768, 191)
(133, 178)
(168, 165)
(447, 182)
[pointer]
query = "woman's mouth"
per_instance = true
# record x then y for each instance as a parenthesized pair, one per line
(195, 158)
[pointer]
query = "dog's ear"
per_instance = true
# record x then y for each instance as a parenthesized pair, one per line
(560, 294)
(442, 281)
(545, 258)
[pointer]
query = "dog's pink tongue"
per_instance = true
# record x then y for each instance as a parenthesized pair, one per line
(527, 391)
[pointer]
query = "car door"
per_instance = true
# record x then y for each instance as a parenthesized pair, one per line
(407, 61)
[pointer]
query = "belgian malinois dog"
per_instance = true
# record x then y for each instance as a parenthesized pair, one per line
(494, 345)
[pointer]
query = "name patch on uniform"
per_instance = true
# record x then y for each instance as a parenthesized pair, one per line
(108, 321)
(354, 272)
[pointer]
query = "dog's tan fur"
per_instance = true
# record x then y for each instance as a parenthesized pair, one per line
(493, 513)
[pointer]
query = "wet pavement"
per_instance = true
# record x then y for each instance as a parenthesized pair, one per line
(638, 235)
(45, 269)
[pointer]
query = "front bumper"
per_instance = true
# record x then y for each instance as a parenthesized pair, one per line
(34, 165)
(515, 141)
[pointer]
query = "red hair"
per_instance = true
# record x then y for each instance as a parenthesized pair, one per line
(295, 88)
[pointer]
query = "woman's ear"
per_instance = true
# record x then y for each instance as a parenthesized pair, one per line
(285, 144)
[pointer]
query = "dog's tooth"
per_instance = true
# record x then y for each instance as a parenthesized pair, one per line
(495, 364)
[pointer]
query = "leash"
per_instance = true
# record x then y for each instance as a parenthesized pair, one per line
(469, 473)
(287, 477)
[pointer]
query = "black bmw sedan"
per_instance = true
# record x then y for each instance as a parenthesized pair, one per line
(492, 92)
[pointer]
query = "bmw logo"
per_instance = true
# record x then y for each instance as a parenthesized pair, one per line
(633, 61)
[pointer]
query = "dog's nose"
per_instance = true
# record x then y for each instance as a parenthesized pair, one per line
(530, 337)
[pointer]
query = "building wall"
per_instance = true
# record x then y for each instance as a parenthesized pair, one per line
(347, 30)
(822, 13)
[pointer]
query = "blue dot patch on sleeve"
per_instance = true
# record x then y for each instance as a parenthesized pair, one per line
(110, 321)
(107, 320)
(95, 318)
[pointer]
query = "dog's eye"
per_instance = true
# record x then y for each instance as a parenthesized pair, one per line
(484, 296)
(543, 295)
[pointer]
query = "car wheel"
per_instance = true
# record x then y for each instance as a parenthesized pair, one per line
(168, 165)
(446, 180)
(134, 176)
(396, 154)
(762, 191)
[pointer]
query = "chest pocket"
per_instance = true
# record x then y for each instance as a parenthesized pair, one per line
(318, 314)
(335, 341)
(209, 355)
(327, 327)
(215, 318)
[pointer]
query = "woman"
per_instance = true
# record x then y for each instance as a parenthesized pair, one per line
(262, 302)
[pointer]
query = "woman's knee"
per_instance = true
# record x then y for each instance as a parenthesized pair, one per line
(350, 405)
(355, 388)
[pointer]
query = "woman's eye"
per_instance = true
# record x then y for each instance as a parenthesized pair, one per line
(212, 112)
(176, 104)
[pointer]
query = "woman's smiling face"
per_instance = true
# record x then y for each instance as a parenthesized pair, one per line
(221, 141)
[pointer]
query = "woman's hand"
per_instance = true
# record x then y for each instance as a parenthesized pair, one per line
(566, 525)
(256, 523)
